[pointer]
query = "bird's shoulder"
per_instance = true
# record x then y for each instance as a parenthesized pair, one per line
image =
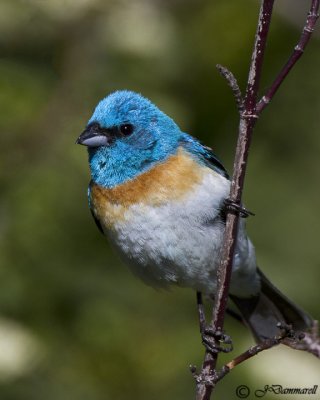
(203, 154)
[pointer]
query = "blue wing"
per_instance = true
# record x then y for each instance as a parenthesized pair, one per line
(203, 154)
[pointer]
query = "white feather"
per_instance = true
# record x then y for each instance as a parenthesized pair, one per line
(179, 242)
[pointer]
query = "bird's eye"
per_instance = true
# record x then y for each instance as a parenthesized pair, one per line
(126, 129)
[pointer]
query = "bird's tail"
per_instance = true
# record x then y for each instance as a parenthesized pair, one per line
(263, 312)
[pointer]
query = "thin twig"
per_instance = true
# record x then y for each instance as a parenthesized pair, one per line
(297, 53)
(232, 82)
(287, 335)
(305, 341)
(251, 352)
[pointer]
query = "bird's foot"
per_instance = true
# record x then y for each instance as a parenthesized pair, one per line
(235, 208)
(216, 341)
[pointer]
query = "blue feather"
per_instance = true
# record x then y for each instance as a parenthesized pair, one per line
(203, 154)
(154, 138)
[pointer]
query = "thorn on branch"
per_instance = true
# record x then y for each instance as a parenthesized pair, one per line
(232, 82)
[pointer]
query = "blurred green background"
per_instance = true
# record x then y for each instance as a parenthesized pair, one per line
(74, 323)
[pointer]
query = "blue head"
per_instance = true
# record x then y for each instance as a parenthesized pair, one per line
(127, 135)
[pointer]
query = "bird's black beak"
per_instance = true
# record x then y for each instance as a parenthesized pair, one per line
(94, 136)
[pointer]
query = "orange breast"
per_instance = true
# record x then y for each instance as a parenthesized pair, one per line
(167, 181)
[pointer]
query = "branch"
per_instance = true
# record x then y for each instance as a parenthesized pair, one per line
(297, 53)
(247, 122)
(251, 352)
(287, 336)
(310, 342)
(250, 111)
(232, 82)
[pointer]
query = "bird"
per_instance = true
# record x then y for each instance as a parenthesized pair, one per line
(159, 195)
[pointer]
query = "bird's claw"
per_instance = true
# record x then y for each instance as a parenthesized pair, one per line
(235, 208)
(216, 341)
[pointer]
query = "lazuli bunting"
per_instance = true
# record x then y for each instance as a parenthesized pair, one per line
(158, 194)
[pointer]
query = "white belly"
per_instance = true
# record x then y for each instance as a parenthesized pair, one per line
(179, 241)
